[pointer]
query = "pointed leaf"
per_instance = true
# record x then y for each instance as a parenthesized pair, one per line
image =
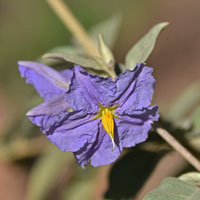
(106, 53)
(173, 188)
(143, 48)
(79, 60)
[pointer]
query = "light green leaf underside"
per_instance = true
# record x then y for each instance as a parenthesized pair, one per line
(191, 177)
(106, 53)
(143, 48)
(45, 173)
(79, 60)
(174, 189)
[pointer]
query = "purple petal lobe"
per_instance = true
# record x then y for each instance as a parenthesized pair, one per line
(73, 99)
(49, 113)
(74, 132)
(104, 154)
(98, 150)
(135, 88)
(133, 127)
(90, 90)
(46, 80)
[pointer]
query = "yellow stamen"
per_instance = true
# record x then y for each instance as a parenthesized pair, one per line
(108, 124)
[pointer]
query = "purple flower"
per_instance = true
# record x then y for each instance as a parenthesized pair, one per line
(92, 116)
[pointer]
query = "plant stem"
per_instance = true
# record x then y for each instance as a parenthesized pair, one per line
(74, 26)
(179, 148)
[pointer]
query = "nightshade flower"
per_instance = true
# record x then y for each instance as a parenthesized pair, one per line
(92, 116)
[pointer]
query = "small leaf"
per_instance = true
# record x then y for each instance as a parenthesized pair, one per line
(143, 48)
(79, 60)
(174, 189)
(106, 53)
(108, 28)
(45, 173)
(191, 177)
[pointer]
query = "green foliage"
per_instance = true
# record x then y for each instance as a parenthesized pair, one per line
(79, 60)
(174, 189)
(143, 48)
(46, 171)
(191, 177)
(106, 53)
(92, 64)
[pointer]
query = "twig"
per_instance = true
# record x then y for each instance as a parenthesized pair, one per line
(179, 148)
(74, 26)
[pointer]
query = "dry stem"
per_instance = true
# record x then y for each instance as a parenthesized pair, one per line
(179, 148)
(68, 19)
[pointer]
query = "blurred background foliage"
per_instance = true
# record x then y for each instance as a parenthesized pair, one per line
(39, 171)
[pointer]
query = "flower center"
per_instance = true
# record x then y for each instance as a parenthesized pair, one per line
(108, 124)
(107, 114)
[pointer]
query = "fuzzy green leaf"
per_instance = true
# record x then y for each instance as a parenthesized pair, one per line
(173, 188)
(106, 53)
(191, 177)
(79, 60)
(143, 48)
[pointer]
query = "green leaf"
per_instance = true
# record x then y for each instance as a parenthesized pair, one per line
(185, 102)
(106, 53)
(174, 189)
(143, 48)
(191, 177)
(91, 64)
(79, 60)
(108, 28)
(72, 50)
(45, 173)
